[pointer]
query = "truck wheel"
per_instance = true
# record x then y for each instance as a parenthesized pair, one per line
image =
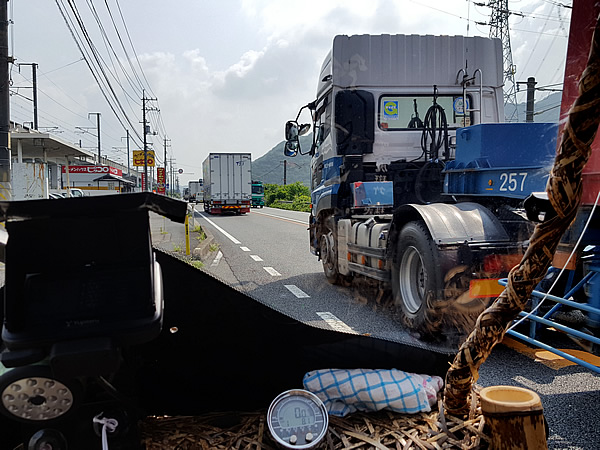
(329, 254)
(416, 278)
(329, 257)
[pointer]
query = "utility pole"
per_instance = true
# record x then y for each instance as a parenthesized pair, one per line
(5, 60)
(171, 174)
(530, 99)
(127, 137)
(98, 129)
(35, 99)
(284, 172)
(146, 132)
(165, 143)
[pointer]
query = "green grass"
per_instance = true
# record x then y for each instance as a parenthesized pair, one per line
(213, 247)
(201, 233)
(177, 248)
(197, 264)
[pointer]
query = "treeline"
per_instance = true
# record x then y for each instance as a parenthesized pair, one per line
(295, 196)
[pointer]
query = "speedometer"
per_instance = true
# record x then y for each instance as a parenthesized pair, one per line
(297, 419)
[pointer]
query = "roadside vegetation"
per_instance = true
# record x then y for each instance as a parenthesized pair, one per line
(295, 196)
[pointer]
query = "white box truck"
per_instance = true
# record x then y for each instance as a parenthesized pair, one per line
(196, 190)
(227, 182)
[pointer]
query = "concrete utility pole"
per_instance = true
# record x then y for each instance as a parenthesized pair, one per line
(98, 129)
(530, 99)
(165, 143)
(145, 141)
(5, 60)
(127, 137)
(171, 174)
(35, 99)
(146, 132)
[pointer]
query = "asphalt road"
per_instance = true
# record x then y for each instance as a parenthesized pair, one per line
(266, 254)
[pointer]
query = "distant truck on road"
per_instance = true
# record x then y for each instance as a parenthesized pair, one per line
(227, 182)
(195, 191)
(258, 194)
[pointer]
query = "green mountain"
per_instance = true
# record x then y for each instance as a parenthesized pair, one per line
(545, 110)
(269, 167)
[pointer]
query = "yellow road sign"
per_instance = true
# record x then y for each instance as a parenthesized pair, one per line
(138, 158)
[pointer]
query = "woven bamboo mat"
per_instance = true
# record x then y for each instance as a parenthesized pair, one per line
(380, 430)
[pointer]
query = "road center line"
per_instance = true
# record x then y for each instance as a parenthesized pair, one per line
(256, 257)
(299, 293)
(244, 249)
(225, 233)
(272, 271)
(335, 323)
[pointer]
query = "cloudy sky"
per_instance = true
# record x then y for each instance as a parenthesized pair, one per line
(226, 74)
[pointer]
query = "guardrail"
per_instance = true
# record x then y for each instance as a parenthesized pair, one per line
(537, 319)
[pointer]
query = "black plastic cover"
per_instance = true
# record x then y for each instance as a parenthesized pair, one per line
(82, 267)
(354, 122)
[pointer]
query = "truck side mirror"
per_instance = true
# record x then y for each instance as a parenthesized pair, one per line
(291, 131)
(291, 136)
(291, 148)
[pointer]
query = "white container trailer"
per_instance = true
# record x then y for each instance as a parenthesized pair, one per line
(227, 182)
(196, 190)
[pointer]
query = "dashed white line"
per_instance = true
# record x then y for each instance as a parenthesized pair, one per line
(256, 257)
(217, 259)
(335, 323)
(296, 291)
(244, 249)
(225, 233)
(272, 271)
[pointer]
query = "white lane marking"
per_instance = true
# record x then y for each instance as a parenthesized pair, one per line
(245, 249)
(256, 257)
(296, 291)
(303, 222)
(335, 323)
(272, 271)
(217, 259)
(227, 235)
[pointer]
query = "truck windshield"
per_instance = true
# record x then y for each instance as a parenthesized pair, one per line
(406, 112)
(257, 189)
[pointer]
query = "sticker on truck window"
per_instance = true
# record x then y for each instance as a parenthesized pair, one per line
(459, 105)
(390, 110)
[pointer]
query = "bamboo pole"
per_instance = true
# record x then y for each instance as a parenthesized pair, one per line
(564, 191)
(515, 417)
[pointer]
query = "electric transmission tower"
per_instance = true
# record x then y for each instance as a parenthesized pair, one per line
(499, 29)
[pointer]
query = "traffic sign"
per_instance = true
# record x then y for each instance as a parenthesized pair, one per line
(138, 158)
(180, 171)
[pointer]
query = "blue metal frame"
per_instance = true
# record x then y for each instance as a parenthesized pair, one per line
(537, 320)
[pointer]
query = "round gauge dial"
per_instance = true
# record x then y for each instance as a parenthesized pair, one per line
(297, 419)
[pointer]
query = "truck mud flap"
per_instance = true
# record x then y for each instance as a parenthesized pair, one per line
(221, 349)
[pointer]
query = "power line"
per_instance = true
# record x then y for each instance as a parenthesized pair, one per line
(133, 48)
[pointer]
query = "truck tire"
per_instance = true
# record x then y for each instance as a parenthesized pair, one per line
(416, 278)
(329, 256)
(329, 253)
